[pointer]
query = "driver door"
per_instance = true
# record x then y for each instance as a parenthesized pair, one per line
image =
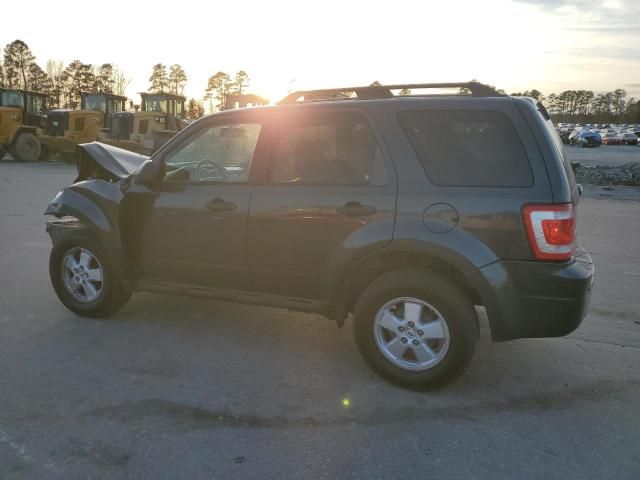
(196, 226)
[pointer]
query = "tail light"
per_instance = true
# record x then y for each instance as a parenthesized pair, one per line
(551, 230)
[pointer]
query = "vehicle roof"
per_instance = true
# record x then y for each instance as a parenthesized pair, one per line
(108, 95)
(171, 96)
(28, 92)
(415, 100)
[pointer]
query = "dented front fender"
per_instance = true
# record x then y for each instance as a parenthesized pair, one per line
(96, 204)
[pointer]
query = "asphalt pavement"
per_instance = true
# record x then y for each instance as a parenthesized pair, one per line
(177, 387)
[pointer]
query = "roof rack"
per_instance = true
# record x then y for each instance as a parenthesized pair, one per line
(372, 92)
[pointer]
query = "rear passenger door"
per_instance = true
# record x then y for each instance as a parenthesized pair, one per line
(329, 198)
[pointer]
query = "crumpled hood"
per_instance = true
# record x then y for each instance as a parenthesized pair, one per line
(99, 160)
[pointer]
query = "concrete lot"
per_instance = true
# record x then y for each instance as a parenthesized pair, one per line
(184, 388)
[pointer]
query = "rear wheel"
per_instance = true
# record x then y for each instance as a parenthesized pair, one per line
(85, 278)
(25, 148)
(416, 329)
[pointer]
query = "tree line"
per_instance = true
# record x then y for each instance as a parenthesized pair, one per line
(586, 106)
(64, 84)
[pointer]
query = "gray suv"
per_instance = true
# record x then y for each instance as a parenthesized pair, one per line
(405, 211)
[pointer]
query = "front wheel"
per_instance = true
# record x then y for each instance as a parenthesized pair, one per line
(416, 329)
(85, 278)
(26, 148)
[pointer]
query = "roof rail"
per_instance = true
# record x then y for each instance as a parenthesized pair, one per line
(372, 92)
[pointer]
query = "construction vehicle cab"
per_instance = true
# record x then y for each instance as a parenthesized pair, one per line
(21, 115)
(103, 102)
(161, 116)
(66, 128)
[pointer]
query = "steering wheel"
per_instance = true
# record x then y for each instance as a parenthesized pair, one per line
(209, 171)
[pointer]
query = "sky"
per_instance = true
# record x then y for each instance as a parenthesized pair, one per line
(550, 45)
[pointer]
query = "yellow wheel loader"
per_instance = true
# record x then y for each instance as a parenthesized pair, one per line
(21, 115)
(66, 129)
(161, 116)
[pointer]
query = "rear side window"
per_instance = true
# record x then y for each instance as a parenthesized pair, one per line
(329, 150)
(468, 148)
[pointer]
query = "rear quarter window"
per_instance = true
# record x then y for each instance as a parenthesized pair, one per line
(467, 148)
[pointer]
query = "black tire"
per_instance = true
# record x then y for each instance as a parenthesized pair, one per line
(435, 289)
(112, 295)
(26, 148)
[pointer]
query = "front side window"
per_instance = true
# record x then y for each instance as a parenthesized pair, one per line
(217, 154)
(329, 150)
(468, 148)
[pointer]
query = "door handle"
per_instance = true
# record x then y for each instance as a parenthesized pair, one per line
(219, 205)
(356, 209)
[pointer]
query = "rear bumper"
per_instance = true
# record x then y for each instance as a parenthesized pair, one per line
(537, 299)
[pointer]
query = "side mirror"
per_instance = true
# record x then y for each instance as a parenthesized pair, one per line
(147, 174)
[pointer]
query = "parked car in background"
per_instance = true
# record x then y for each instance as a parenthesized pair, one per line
(628, 139)
(611, 138)
(587, 138)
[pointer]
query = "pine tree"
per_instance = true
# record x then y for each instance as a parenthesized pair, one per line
(104, 78)
(177, 79)
(78, 77)
(159, 80)
(17, 61)
(218, 87)
(38, 79)
(241, 81)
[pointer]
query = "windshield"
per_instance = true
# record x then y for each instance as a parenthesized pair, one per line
(12, 99)
(155, 103)
(95, 102)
